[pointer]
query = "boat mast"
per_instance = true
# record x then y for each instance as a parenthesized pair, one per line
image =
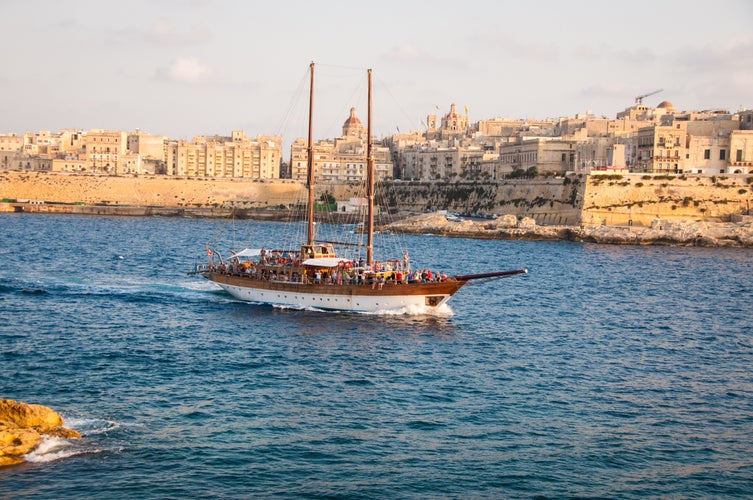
(310, 161)
(369, 183)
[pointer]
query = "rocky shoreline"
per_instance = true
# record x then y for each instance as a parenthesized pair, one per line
(23, 426)
(661, 232)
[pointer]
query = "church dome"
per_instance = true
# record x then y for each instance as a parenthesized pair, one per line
(666, 105)
(352, 119)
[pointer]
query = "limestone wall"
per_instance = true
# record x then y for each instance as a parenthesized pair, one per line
(618, 199)
(549, 201)
(150, 191)
(572, 200)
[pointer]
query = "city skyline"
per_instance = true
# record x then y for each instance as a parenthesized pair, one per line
(203, 67)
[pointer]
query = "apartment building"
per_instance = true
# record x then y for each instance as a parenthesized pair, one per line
(236, 156)
(341, 160)
(699, 146)
(548, 155)
(445, 160)
(105, 150)
(741, 145)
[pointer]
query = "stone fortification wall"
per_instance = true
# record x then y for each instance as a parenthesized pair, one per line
(549, 201)
(151, 191)
(572, 200)
(641, 198)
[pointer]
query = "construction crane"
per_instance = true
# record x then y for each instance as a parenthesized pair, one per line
(639, 99)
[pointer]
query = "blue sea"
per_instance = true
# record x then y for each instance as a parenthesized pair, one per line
(607, 371)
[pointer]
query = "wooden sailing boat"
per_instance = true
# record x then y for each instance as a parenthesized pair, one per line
(316, 277)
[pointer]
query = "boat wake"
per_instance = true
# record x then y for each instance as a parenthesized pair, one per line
(133, 291)
(443, 311)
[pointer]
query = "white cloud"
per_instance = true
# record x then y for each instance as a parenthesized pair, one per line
(186, 70)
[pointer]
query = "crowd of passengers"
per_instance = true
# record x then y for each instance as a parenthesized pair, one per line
(348, 272)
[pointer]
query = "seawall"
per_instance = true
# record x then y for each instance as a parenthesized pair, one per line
(155, 191)
(615, 200)
(574, 200)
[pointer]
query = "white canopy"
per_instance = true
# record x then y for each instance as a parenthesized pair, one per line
(247, 252)
(324, 261)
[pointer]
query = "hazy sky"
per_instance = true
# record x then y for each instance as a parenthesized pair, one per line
(182, 68)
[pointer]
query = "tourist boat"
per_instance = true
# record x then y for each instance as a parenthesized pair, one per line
(314, 276)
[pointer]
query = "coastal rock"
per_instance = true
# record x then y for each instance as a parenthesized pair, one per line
(502, 222)
(661, 232)
(527, 222)
(22, 426)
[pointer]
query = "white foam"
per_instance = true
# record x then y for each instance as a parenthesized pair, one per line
(53, 448)
(91, 426)
(443, 311)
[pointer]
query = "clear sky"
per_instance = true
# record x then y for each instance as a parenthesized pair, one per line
(182, 68)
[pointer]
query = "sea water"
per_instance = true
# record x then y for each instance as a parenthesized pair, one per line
(606, 371)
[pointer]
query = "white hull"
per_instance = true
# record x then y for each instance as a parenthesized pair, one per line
(339, 302)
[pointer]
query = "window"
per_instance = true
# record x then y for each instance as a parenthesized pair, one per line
(722, 154)
(739, 155)
(706, 154)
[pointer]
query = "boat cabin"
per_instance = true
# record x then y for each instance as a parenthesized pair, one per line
(317, 251)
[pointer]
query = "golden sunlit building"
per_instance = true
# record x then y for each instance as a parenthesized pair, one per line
(341, 160)
(236, 156)
(105, 150)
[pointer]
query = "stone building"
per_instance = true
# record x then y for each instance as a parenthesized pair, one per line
(452, 125)
(698, 146)
(342, 159)
(236, 156)
(741, 145)
(500, 127)
(70, 164)
(11, 146)
(152, 150)
(105, 150)
(548, 155)
(445, 160)
(741, 151)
